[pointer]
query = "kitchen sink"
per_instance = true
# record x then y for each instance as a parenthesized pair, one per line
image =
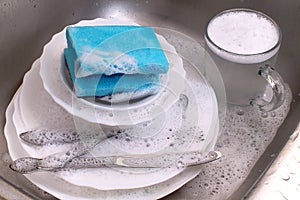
(27, 25)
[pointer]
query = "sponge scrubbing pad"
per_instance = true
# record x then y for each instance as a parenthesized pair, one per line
(116, 49)
(103, 60)
(102, 85)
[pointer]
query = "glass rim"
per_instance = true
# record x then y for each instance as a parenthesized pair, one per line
(244, 54)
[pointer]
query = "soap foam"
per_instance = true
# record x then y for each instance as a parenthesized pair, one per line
(136, 97)
(179, 129)
(243, 33)
(246, 135)
(183, 130)
(114, 62)
(217, 179)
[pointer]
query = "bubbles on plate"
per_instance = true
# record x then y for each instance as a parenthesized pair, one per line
(45, 136)
(243, 140)
(184, 127)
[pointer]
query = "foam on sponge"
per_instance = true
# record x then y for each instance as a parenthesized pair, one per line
(116, 49)
(102, 85)
(103, 60)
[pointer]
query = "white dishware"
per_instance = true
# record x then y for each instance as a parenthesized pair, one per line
(244, 44)
(38, 110)
(52, 72)
(189, 124)
(65, 190)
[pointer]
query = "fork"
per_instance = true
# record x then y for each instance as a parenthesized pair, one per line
(73, 159)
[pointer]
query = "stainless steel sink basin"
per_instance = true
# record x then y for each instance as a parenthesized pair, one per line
(27, 25)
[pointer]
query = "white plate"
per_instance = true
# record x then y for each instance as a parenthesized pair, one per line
(52, 66)
(64, 190)
(39, 110)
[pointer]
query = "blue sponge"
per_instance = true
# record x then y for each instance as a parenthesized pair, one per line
(102, 85)
(115, 50)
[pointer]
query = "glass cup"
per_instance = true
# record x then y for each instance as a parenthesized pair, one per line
(244, 44)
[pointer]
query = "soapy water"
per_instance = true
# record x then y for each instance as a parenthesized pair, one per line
(176, 140)
(219, 179)
(186, 126)
(246, 32)
(237, 33)
(246, 135)
(178, 130)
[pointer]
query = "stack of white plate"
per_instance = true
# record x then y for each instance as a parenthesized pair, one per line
(182, 117)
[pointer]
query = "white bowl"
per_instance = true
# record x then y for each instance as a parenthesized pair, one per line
(52, 73)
